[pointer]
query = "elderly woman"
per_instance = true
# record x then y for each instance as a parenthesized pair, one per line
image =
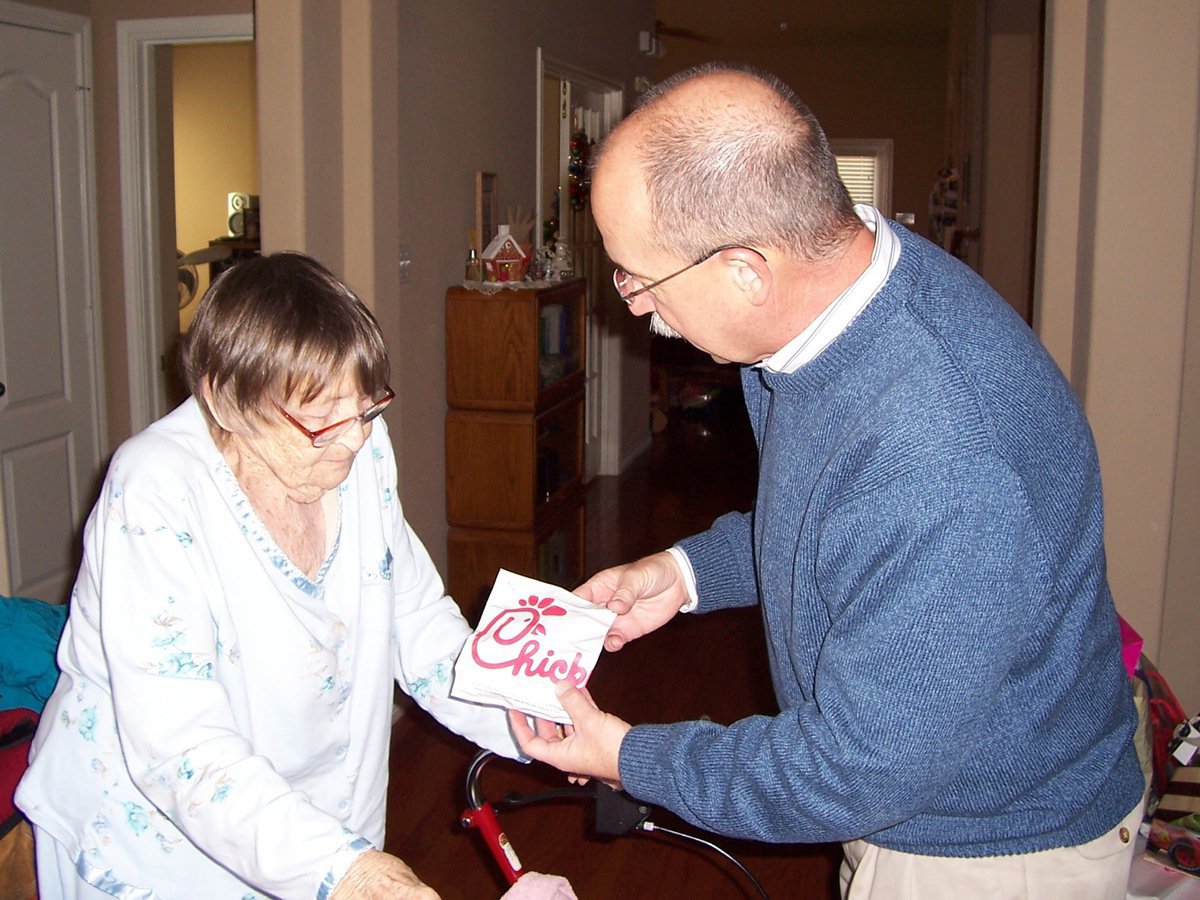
(249, 593)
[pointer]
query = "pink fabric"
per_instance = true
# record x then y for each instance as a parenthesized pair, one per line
(1131, 647)
(536, 886)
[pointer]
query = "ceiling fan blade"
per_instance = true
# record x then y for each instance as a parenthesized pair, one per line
(687, 34)
(206, 255)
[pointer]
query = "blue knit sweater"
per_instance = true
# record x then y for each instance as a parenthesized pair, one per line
(927, 551)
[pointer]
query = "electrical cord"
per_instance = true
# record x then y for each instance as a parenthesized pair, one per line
(649, 826)
(616, 813)
(515, 801)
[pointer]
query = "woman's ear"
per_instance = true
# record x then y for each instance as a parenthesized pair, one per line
(206, 394)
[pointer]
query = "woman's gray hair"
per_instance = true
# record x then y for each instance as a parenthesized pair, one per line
(757, 174)
(278, 328)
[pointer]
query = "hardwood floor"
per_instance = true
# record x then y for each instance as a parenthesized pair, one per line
(701, 465)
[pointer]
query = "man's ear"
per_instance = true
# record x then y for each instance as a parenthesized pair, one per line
(751, 274)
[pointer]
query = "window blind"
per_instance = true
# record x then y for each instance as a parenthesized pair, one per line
(859, 174)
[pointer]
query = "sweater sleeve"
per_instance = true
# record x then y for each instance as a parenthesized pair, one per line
(915, 576)
(722, 559)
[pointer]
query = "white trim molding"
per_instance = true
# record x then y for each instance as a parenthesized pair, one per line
(136, 40)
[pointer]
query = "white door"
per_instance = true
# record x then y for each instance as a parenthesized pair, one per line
(594, 112)
(591, 106)
(49, 413)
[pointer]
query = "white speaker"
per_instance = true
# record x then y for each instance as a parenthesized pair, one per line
(238, 209)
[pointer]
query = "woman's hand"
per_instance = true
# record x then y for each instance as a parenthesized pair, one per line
(645, 595)
(380, 876)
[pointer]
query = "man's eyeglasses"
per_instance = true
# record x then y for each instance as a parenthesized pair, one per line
(629, 286)
(323, 437)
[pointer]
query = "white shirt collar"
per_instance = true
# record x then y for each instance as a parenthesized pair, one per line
(838, 315)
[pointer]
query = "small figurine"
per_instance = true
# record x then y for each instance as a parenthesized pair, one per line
(504, 259)
(563, 265)
(474, 266)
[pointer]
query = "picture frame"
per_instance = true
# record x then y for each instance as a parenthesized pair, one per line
(486, 209)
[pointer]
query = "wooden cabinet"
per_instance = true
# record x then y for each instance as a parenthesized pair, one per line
(514, 437)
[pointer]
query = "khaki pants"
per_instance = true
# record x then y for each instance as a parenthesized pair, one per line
(17, 881)
(1097, 870)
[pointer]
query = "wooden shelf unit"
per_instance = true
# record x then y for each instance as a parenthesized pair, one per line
(514, 436)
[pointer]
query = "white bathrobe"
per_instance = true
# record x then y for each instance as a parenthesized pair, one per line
(222, 721)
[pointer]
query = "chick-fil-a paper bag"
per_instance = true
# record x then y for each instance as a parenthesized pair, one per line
(531, 636)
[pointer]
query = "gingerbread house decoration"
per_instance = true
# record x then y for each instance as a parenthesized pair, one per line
(504, 259)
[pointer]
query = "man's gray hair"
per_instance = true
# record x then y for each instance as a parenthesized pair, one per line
(756, 174)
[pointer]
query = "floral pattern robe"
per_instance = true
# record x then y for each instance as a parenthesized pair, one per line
(222, 720)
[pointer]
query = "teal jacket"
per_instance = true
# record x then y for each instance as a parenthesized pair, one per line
(29, 633)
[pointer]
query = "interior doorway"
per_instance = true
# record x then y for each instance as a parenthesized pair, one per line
(148, 229)
(214, 113)
(576, 111)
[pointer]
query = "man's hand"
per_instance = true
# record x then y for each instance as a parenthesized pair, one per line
(380, 876)
(590, 746)
(645, 595)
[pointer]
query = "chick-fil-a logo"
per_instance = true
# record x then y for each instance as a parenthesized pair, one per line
(509, 637)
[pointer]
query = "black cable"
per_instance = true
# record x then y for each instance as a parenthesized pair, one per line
(513, 801)
(650, 827)
(621, 812)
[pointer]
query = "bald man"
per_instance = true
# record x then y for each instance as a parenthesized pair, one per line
(926, 545)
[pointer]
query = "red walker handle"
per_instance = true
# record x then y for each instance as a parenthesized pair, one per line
(483, 817)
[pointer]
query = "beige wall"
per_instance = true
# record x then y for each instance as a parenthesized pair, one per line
(452, 94)
(78, 7)
(468, 102)
(1116, 286)
(1008, 161)
(1180, 635)
(216, 142)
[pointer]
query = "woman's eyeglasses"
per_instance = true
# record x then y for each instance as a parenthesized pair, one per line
(323, 437)
(629, 286)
